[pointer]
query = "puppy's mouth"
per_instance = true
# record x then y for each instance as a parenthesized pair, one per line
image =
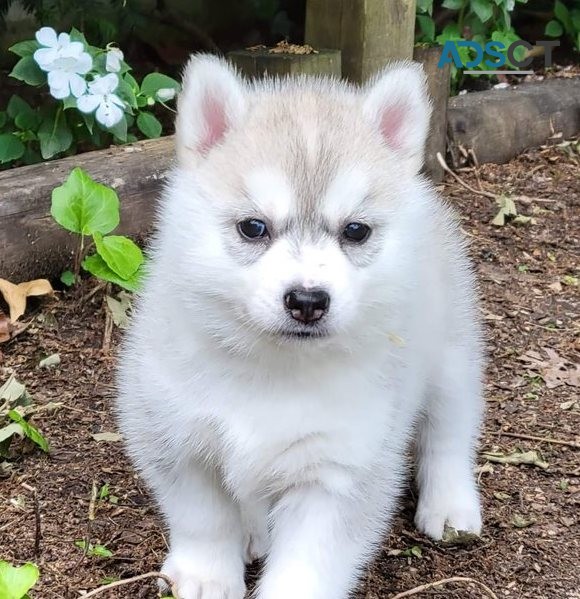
(293, 334)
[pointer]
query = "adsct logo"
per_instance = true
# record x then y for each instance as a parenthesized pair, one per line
(497, 50)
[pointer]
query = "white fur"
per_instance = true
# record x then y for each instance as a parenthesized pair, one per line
(257, 445)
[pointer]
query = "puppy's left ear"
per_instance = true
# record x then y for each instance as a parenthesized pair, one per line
(397, 104)
(212, 102)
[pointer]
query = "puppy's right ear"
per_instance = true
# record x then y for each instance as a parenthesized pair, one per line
(212, 101)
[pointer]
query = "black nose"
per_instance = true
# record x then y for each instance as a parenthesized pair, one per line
(307, 306)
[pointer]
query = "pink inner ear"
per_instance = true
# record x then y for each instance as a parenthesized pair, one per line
(214, 116)
(391, 125)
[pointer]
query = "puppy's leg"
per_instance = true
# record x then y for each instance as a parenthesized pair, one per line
(319, 543)
(446, 447)
(206, 554)
(255, 526)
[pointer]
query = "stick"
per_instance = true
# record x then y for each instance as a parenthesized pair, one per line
(125, 581)
(446, 168)
(541, 439)
(437, 583)
(37, 524)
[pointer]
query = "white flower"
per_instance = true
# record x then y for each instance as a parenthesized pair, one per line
(66, 63)
(165, 94)
(113, 61)
(110, 108)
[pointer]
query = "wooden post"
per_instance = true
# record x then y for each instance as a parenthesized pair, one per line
(267, 61)
(438, 88)
(370, 33)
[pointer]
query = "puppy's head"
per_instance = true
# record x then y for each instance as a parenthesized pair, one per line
(286, 204)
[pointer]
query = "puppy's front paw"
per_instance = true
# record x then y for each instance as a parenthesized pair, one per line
(458, 509)
(200, 573)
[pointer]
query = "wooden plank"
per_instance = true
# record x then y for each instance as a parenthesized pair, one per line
(33, 245)
(499, 124)
(257, 63)
(438, 87)
(370, 33)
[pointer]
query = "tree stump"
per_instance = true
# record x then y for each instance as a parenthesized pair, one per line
(286, 59)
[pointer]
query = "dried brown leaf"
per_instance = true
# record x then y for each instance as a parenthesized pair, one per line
(16, 295)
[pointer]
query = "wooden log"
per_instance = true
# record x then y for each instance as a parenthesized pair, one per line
(33, 245)
(262, 61)
(438, 87)
(497, 125)
(370, 33)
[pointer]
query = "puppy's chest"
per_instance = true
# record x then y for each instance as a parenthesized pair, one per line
(271, 440)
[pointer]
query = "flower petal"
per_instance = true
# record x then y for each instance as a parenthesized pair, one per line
(114, 99)
(104, 85)
(44, 57)
(46, 36)
(63, 39)
(84, 63)
(78, 86)
(58, 79)
(75, 48)
(88, 103)
(113, 61)
(60, 93)
(108, 114)
(165, 94)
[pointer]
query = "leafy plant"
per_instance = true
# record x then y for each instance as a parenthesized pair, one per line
(15, 410)
(480, 21)
(16, 582)
(94, 550)
(91, 210)
(94, 99)
(566, 21)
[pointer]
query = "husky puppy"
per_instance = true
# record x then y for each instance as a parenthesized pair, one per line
(309, 311)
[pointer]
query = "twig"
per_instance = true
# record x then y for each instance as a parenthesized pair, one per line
(108, 332)
(125, 581)
(541, 439)
(438, 583)
(446, 168)
(37, 523)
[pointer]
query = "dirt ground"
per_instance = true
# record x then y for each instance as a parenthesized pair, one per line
(530, 545)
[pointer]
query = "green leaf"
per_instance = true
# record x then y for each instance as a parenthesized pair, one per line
(125, 92)
(27, 121)
(156, 81)
(54, 135)
(425, 6)
(453, 4)
(554, 29)
(483, 9)
(82, 205)
(26, 48)
(16, 582)
(121, 254)
(16, 106)
(427, 26)
(28, 71)
(29, 431)
(11, 148)
(150, 126)
(120, 130)
(93, 550)
(563, 15)
(3, 118)
(98, 268)
(67, 278)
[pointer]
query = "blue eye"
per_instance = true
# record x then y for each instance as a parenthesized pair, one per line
(356, 232)
(253, 229)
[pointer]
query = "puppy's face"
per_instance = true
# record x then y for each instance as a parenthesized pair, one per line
(293, 221)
